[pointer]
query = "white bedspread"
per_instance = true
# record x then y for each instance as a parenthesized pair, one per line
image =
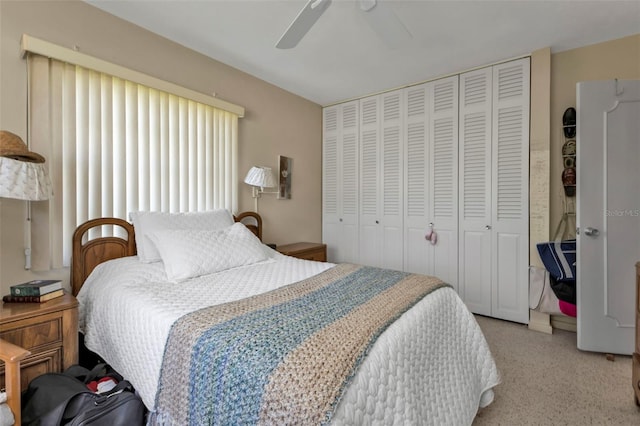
(432, 366)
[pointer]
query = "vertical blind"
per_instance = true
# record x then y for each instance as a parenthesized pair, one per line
(114, 146)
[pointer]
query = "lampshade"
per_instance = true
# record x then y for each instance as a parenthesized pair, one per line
(24, 180)
(261, 176)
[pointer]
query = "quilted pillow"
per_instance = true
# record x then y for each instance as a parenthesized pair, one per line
(192, 253)
(146, 223)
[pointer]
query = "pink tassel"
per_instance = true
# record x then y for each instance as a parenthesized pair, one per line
(434, 238)
(427, 236)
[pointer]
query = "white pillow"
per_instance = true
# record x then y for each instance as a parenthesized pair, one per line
(146, 223)
(191, 253)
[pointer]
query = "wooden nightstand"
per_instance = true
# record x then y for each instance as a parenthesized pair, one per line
(49, 330)
(308, 251)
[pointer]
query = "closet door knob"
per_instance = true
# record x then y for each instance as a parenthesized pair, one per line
(377, 221)
(487, 227)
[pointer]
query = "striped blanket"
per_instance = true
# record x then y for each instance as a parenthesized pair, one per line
(282, 357)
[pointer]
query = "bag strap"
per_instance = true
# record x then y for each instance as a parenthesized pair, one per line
(99, 371)
(77, 372)
(535, 287)
(122, 386)
(562, 230)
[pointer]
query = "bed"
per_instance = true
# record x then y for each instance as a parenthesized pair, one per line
(221, 330)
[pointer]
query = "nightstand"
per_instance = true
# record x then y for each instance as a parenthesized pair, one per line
(49, 330)
(308, 251)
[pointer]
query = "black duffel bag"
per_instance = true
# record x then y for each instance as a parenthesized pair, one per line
(64, 399)
(564, 290)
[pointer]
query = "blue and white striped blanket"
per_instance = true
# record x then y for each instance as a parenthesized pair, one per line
(282, 357)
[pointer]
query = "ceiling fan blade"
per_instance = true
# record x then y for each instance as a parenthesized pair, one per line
(303, 22)
(381, 18)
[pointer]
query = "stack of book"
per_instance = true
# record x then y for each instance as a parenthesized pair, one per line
(36, 291)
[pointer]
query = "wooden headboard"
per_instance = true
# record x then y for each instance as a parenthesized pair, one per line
(86, 256)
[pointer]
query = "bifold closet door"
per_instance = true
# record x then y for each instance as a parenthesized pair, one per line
(443, 176)
(494, 191)
(370, 242)
(475, 190)
(451, 155)
(340, 182)
(418, 251)
(392, 182)
(431, 178)
(381, 182)
(510, 191)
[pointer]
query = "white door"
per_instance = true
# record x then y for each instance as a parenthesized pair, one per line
(510, 191)
(381, 181)
(369, 234)
(331, 228)
(431, 179)
(418, 251)
(475, 190)
(340, 182)
(443, 175)
(391, 180)
(349, 184)
(494, 170)
(608, 213)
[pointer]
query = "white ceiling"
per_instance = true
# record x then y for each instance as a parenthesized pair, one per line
(341, 57)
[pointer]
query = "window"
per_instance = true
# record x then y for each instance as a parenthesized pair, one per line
(114, 145)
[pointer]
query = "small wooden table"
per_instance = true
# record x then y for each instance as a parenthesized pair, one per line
(49, 330)
(308, 251)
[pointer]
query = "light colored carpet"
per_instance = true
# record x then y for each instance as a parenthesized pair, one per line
(546, 380)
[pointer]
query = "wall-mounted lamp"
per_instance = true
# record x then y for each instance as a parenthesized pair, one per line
(260, 178)
(23, 176)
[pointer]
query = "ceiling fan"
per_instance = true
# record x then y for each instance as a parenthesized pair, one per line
(378, 14)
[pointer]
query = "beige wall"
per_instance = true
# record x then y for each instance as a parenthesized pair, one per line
(604, 61)
(276, 122)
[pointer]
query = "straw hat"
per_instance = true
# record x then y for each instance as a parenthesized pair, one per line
(12, 146)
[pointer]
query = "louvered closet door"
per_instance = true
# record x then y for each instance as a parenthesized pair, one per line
(510, 190)
(391, 180)
(443, 165)
(331, 228)
(330, 179)
(418, 254)
(381, 181)
(340, 182)
(370, 243)
(475, 190)
(349, 183)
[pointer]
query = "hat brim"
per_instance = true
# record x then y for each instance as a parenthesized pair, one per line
(12, 146)
(28, 156)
